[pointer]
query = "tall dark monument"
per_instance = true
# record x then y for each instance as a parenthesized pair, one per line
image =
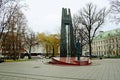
(67, 46)
(70, 52)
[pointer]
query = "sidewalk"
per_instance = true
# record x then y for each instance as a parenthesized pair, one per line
(106, 69)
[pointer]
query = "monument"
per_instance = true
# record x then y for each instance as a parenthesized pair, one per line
(67, 45)
(70, 52)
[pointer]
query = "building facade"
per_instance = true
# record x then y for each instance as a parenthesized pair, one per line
(107, 43)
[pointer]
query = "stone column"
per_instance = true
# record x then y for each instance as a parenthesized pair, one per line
(67, 46)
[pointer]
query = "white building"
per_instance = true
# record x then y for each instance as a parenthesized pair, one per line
(107, 43)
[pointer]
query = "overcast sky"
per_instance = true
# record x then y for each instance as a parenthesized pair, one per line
(45, 15)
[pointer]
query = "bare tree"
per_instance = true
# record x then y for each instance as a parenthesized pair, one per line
(20, 22)
(91, 19)
(12, 22)
(7, 9)
(115, 10)
(30, 41)
(79, 32)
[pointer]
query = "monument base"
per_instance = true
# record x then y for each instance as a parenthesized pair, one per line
(71, 61)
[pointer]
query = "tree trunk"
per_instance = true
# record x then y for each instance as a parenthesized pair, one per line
(81, 51)
(53, 52)
(90, 48)
(29, 54)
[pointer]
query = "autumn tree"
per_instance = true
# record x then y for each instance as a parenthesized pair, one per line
(50, 43)
(91, 20)
(44, 41)
(54, 41)
(17, 30)
(12, 22)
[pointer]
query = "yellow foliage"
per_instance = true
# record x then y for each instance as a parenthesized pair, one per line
(50, 42)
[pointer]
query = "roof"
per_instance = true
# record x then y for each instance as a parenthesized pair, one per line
(106, 34)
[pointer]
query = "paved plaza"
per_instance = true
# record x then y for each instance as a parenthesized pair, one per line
(106, 69)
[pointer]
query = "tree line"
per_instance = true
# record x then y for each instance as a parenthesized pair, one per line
(13, 22)
(15, 36)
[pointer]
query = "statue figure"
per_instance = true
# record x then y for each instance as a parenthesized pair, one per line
(78, 50)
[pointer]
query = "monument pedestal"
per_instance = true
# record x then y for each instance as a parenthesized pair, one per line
(71, 61)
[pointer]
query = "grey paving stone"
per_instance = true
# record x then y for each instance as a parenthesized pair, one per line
(105, 69)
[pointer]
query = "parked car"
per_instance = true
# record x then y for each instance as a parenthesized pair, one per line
(1, 58)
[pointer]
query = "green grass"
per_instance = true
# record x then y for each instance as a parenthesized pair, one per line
(116, 57)
(19, 60)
